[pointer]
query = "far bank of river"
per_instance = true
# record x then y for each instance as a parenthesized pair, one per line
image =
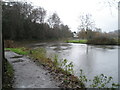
(93, 59)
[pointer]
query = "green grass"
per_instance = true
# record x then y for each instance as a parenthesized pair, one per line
(77, 41)
(22, 51)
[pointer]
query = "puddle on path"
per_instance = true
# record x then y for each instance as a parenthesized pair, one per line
(16, 57)
(16, 61)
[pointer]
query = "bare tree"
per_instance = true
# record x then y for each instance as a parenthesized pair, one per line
(54, 20)
(86, 26)
(38, 14)
(86, 22)
(26, 9)
(110, 4)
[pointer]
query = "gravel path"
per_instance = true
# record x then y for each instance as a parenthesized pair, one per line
(27, 74)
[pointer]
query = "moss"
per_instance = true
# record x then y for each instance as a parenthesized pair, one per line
(8, 74)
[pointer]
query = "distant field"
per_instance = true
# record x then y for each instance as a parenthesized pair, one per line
(77, 41)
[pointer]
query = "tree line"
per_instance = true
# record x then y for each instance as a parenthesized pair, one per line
(94, 35)
(22, 21)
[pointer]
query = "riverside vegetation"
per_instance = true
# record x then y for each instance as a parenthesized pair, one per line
(97, 41)
(8, 74)
(63, 70)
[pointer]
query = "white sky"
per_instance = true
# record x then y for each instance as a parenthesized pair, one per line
(69, 11)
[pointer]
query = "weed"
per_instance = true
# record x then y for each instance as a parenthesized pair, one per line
(99, 81)
(68, 67)
(114, 85)
(38, 53)
(82, 77)
(56, 63)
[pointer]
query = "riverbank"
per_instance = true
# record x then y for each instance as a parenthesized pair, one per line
(63, 75)
(29, 75)
(96, 41)
(38, 55)
(67, 80)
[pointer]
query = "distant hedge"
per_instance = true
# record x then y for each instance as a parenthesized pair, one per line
(102, 41)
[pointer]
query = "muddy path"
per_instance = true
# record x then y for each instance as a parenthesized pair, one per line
(29, 75)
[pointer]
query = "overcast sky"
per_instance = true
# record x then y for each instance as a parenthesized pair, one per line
(105, 17)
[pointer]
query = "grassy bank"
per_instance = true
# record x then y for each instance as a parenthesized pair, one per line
(76, 41)
(8, 75)
(22, 50)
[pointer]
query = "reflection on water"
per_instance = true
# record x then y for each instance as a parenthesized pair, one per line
(93, 59)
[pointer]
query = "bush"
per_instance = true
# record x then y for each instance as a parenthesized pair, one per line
(9, 44)
(102, 41)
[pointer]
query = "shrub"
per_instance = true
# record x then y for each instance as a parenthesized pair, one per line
(102, 41)
(9, 44)
(38, 53)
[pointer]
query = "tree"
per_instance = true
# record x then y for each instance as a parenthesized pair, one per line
(110, 3)
(86, 26)
(86, 22)
(26, 10)
(38, 14)
(65, 31)
(22, 21)
(54, 20)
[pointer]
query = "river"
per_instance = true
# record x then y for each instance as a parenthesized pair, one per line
(92, 59)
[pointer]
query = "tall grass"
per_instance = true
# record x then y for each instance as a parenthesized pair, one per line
(38, 53)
